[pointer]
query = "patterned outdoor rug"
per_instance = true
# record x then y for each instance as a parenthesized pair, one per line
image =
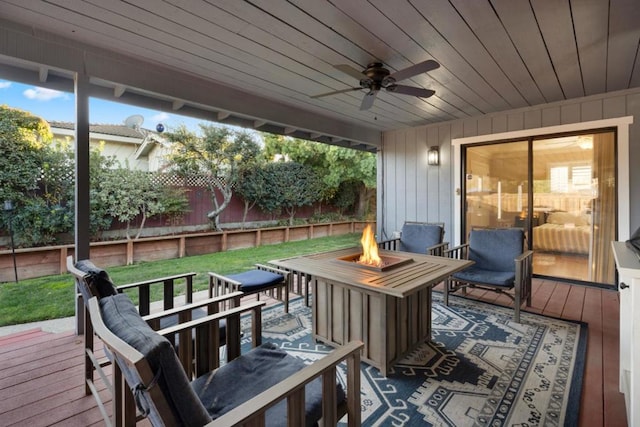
(482, 369)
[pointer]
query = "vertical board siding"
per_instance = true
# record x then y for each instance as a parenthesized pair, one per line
(550, 116)
(515, 122)
(432, 193)
(412, 146)
(423, 177)
(401, 198)
(591, 110)
(532, 119)
(633, 109)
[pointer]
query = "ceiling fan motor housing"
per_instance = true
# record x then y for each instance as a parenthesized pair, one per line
(378, 77)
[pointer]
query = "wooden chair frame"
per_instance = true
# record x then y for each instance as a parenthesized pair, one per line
(251, 412)
(220, 285)
(205, 338)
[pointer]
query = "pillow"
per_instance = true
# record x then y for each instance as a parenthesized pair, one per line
(121, 317)
(562, 218)
(99, 282)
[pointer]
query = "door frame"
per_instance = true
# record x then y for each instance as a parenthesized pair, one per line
(622, 129)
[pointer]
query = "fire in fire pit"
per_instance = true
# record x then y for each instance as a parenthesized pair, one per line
(369, 258)
(369, 249)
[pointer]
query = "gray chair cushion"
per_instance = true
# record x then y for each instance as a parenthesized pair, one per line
(417, 238)
(496, 249)
(121, 317)
(474, 274)
(251, 374)
(99, 282)
(255, 280)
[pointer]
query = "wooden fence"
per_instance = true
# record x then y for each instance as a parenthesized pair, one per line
(51, 260)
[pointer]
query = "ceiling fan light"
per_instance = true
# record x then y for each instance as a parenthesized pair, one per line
(585, 142)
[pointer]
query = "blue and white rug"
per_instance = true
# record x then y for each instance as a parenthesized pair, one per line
(482, 368)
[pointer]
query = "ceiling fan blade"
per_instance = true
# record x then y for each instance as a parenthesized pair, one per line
(348, 69)
(414, 70)
(409, 90)
(368, 99)
(335, 92)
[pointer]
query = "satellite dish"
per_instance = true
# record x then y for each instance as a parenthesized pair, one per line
(134, 122)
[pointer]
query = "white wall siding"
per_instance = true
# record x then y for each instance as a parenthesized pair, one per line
(410, 190)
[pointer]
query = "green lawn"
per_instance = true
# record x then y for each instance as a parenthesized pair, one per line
(52, 297)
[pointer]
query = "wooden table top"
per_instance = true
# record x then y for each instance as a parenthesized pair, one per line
(418, 271)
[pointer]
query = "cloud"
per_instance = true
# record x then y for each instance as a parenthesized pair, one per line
(4, 85)
(42, 94)
(160, 117)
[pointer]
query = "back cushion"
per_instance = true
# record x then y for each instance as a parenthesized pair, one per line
(417, 238)
(121, 317)
(496, 249)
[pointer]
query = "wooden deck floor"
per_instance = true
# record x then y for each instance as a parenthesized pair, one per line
(41, 374)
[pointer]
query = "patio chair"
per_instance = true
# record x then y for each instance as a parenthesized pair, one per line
(418, 237)
(500, 265)
(262, 278)
(92, 281)
(264, 386)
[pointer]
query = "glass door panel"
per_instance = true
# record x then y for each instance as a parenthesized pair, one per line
(574, 191)
(561, 191)
(496, 186)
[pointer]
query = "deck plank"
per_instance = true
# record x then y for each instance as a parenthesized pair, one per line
(574, 305)
(557, 300)
(50, 389)
(615, 413)
(592, 402)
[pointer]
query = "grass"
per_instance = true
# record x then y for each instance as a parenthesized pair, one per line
(52, 297)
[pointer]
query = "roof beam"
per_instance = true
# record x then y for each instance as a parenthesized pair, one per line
(119, 90)
(43, 73)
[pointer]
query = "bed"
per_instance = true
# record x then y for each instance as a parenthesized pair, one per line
(563, 232)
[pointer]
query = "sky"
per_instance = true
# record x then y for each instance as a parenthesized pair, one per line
(53, 105)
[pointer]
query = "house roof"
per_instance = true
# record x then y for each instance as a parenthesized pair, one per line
(258, 63)
(107, 129)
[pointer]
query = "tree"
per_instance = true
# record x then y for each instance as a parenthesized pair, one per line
(23, 138)
(129, 194)
(253, 188)
(290, 185)
(219, 153)
(336, 166)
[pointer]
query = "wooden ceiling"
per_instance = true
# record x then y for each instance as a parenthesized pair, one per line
(495, 55)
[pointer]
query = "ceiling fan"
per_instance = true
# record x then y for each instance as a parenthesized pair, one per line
(375, 77)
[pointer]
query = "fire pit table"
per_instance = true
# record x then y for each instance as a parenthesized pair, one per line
(387, 307)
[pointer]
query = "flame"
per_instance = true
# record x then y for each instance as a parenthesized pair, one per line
(369, 249)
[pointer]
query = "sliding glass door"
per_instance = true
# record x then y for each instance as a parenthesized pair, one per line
(561, 190)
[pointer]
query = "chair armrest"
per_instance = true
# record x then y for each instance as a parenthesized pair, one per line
(273, 269)
(292, 389)
(210, 318)
(154, 281)
(389, 244)
(222, 278)
(525, 256)
(168, 282)
(151, 318)
(458, 252)
(438, 250)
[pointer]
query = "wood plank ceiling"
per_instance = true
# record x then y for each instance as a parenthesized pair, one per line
(495, 55)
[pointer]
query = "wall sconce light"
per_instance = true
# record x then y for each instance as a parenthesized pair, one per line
(433, 156)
